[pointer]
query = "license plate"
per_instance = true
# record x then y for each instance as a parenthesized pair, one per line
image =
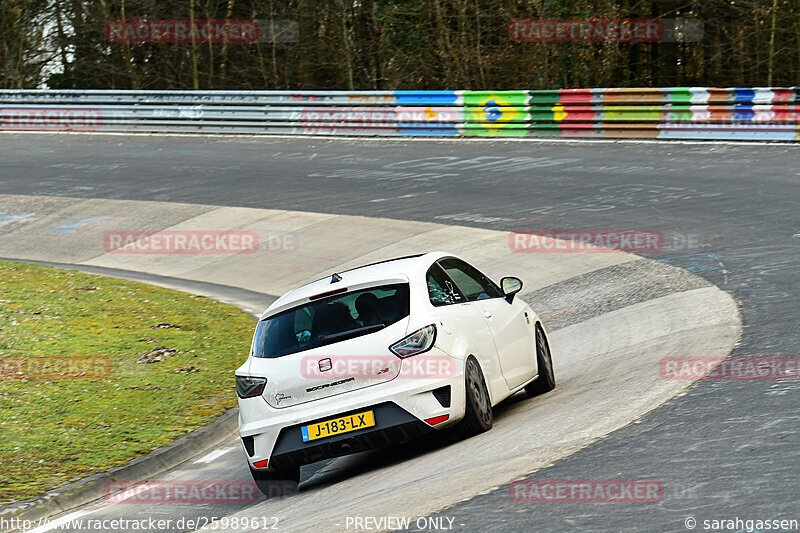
(336, 426)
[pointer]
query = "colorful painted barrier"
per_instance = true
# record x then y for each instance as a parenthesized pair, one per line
(739, 113)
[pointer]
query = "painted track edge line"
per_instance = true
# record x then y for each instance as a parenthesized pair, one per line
(700, 142)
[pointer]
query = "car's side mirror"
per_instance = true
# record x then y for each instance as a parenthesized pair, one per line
(510, 286)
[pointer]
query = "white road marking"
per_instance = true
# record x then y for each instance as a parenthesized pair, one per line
(412, 195)
(59, 522)
(403, 139)
(213, 455)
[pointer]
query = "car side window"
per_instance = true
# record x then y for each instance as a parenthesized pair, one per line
(441, 289)
(472, 283)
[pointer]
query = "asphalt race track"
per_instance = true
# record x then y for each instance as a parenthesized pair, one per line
(725, 449)
(612, 318)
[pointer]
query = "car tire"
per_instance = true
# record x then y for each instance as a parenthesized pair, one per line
(276, 483)
(544, 361)
(478, 416)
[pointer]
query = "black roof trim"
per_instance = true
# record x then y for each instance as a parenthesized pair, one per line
(384, 261)
(371, 264)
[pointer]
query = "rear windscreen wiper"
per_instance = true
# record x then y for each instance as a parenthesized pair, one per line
(335, 337)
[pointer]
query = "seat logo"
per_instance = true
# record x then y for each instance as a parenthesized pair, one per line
(325, 365)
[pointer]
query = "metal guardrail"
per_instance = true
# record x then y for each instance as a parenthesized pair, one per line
(667, 113)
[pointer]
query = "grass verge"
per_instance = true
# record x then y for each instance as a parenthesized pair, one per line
(76, 395)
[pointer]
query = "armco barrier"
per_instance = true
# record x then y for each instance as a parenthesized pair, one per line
(666, 113)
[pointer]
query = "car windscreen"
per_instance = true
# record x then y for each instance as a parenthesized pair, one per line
(332, 319)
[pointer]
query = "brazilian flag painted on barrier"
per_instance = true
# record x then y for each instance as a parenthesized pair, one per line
(495, 113)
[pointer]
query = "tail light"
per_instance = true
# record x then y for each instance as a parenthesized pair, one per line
(418, 342)
(250, 387)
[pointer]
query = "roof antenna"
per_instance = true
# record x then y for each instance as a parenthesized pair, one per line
(336, 277)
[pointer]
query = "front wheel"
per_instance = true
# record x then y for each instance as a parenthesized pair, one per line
(276, 483)
(478, 417)
(547, 378)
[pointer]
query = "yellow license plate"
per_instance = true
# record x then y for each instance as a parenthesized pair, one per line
(338, 425)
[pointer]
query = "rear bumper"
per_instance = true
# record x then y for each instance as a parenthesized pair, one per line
(392, 425)
(400, 406)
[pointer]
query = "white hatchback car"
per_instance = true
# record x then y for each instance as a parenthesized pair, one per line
(380, 354)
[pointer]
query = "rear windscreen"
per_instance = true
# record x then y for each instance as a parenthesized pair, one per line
(333, 319)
